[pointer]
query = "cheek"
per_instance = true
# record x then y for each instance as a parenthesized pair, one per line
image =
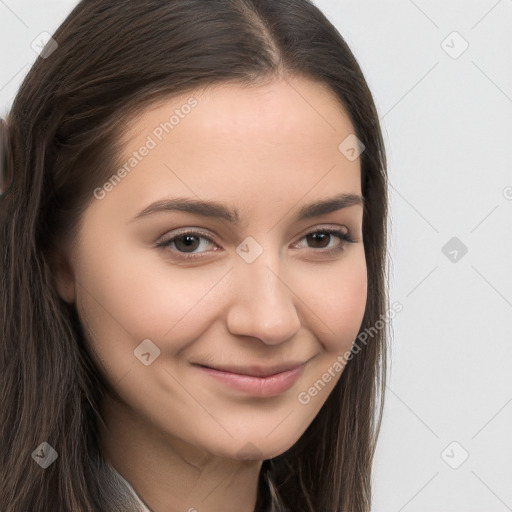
(131, 295)
(337, 296)
(136, 294)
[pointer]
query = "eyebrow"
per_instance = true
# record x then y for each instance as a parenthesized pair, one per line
(214, 209)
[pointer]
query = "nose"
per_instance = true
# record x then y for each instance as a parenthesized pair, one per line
(262, 303)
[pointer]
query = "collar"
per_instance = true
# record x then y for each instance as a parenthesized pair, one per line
(138, 499)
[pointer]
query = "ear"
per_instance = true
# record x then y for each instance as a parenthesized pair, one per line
(63, 275)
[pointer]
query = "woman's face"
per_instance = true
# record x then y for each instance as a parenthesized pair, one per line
(163, 292)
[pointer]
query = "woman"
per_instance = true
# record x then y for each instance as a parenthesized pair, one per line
(193, 232)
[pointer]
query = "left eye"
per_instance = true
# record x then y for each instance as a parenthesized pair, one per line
(188, 241)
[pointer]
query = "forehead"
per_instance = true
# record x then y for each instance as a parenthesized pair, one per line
(293, 109)
(273, 143)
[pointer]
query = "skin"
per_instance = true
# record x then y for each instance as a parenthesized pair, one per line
(176, 434)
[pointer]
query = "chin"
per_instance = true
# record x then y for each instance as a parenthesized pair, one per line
(254, 447)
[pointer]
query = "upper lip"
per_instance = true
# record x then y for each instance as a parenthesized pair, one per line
(255, 370)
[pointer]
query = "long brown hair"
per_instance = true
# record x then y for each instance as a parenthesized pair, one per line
(115, 58)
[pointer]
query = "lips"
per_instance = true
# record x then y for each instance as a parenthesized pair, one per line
(254, 370)
(265, 384)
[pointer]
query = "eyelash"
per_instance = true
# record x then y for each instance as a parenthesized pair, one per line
(344, 237)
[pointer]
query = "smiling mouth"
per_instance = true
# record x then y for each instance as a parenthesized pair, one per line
(256, 380)
(255, 371)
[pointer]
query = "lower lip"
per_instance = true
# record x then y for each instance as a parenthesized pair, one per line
(272, 385)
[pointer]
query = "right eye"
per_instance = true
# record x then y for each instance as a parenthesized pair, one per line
(185, 242)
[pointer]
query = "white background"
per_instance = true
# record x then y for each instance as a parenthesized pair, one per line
(448, 129)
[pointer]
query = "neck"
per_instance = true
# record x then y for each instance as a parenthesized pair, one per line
(170, 475)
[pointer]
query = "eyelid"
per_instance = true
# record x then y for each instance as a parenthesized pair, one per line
(342, 233)
(208, 234)
(170, 235)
